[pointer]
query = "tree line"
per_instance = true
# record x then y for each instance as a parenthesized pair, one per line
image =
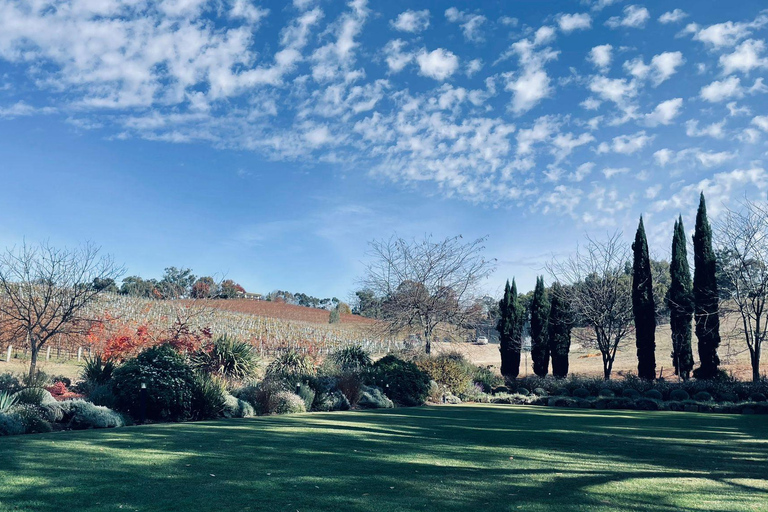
(611, 290)
(176, 283)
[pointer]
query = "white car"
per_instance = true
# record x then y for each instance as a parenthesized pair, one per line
(482, 340)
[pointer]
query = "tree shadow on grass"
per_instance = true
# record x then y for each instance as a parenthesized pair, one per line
(431, 458)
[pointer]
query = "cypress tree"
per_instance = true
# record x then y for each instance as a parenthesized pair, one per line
(559, 332)
(539, 318)
(510, 331)
(705, 296)
(680, 300)
(643, 308)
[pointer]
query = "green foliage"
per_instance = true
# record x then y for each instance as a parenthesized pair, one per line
(402, 381)
(170, 384)
(227, 357)
(559, 331)
(702, 396)
(237, 408)
(307, 394)
(353, 358)
(581, 392)
(654, 394)
(285, 402)
(10, 383)
(290, 363)
(706, 306)
(643, 306)
(32, 417)
(451, 371)
(539, 324)
(97, 371)
(7, 400)
(350, 384)
(680, 300)
(334, 317)
(486, 378)
(103, 395)
(208, 397)
(10, 424)
(510, 327)
(332, 401)
(372, 397)
(679, 395)
(31, 396)
(81, 415)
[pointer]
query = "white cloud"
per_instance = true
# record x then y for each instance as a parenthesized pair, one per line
(600, 56)
(726, 34)
(22, 109)
(664, 156)
(470, 23)
(714, 159)
(570, 22)
(672, 16)
(542, 130)
(635, 16)
(627, 144)
(531, 84)
(714, 130)
(599, 5)
(411, 21)
(761, 122)
(474, 66)
(720, 90)
(246, 10)
(665, 112)
(652, 191)
(746, 57)
(565, 143)
(395, 57)
(610, 172)
(439, 64)
(661, 68)
(581, 172)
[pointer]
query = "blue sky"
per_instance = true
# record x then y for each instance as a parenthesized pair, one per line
(270, 141)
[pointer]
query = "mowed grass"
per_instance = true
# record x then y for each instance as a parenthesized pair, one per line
(445, 458)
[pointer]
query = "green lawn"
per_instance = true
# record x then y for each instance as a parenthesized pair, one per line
(445, 458)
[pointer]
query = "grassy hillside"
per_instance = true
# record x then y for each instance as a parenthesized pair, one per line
(430, 458)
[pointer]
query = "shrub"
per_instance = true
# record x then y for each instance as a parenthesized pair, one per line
(653, 394)
(757, 397)
(32, 417)
(486, 378)
(450, 370)
(81, 415)
(290, 364)
(307, 394)
(7, 400)
(237, 408)
(9, 383)
(261, 395)
(227, 357)
(10, 424)
(727, 397)
(581, 393)
(646, 404)
(61, 378)
(97, 371)
(170, 384)
(350, 384)
(522, 391)
(500, 389)
(679, 395)
(372, 397)
(402, 381)
(561, 392)
(30, 396)
(285, 402)
(208, 397)
(606, 393)
(702, 396)
(352, 359)
(540, 392)
(631, 393)
(103, 395)
(333, 401)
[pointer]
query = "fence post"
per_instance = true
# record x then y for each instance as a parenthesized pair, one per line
(48, 354)
(10, 351)
(79, 353)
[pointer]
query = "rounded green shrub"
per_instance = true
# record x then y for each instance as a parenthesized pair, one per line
(456, 374)
(208, 397)
(486, 378)
(522, 391)
(402, 381)
(103, 395)
(654, 394)
(10, 424)
(679, 395)
(332, 401)
(285, 402)
(606, 393)
(32, 417)
(236, 408)
(581, 393)
(560, 392)
(373, 397)
(725, 396)
(631, 393)
(540, 392)
(500, 389)
(702, 396)
(170, 384)
(757, 397)
(81, 415)
(646, 404)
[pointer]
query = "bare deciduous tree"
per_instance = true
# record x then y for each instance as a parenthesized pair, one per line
(425, 283)
(45, 292)
(598, 291)
(742, 237)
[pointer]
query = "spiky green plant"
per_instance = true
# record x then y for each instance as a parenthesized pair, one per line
(352, 358)
(228, 358)
(97, 370)
(7, 400)
(290, 363)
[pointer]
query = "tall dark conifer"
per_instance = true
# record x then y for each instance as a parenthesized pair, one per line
(510, 329)
(643, 306)
(559, 331)
(680, 301)
(539, 317)
(705, 296)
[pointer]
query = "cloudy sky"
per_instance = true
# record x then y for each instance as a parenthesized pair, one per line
(270, 141)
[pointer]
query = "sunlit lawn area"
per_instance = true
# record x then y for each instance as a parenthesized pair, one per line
(475, 457)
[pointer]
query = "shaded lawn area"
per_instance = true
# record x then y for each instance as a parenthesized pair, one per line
(444, 458)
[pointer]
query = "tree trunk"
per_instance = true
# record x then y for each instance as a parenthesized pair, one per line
(32, 363)
(755, 356)
(428, 341)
